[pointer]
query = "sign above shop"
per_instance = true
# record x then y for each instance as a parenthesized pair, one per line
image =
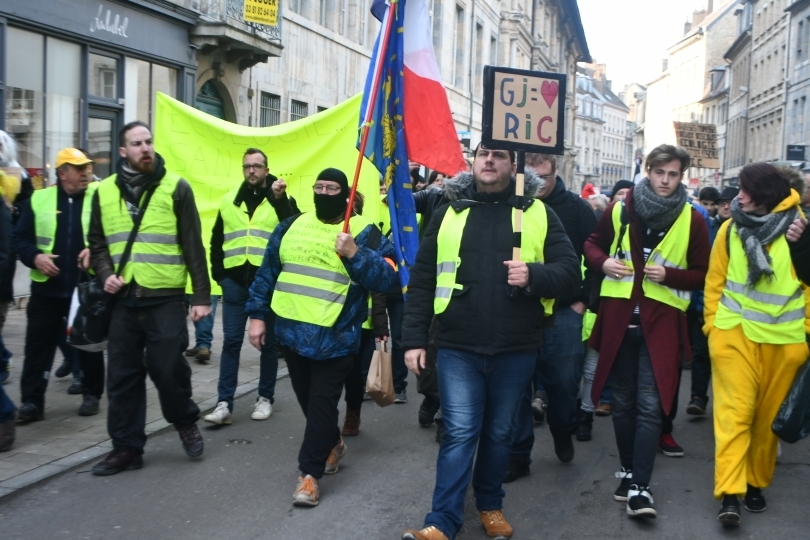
(115, 25)
(130, 26)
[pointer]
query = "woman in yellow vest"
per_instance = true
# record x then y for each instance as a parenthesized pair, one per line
(756, 314)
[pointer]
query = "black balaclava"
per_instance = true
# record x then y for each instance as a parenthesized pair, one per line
(330, 207)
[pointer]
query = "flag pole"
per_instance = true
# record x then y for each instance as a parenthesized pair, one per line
(375, 87)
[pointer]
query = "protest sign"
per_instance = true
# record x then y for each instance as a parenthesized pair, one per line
(524, 110)
(700, 140)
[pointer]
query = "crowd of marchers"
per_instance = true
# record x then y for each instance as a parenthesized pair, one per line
(612, 297)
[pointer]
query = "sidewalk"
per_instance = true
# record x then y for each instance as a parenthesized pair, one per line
(64, 439)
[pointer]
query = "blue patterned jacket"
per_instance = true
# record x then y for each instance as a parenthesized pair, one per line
(369, 273)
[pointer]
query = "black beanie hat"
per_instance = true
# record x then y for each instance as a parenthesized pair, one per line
(621, 184)
(335, 175)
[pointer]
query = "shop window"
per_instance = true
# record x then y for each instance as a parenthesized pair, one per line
(298, 110)
(103, 76)
(63, 98)
(25, 85)
(143, 81)
(270, 110)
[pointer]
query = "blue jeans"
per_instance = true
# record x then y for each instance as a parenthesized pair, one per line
(204, 328)
(636, 406)
(396, 311)
(234, 318)
(558, 370)
(478, 402)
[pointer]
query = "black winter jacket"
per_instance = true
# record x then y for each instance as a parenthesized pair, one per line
(800, 256)
(427, 202)
(243, 275)
(482, 317)
(579, 221)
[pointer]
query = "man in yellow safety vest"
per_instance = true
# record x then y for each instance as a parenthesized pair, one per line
(247, 216)
(51, 239)
(148, 331)
(488, 339)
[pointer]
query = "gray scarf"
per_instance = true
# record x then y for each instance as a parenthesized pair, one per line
(659, 213)
(756, 232)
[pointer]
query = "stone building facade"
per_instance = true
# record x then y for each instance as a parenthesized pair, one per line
(319, 55)
(739, 72)
(797, 128)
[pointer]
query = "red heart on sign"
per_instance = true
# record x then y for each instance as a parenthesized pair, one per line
(549, 91)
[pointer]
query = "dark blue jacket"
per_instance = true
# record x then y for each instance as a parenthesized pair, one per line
(369, 273)
(68, 243)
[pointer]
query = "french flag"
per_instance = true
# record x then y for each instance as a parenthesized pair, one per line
(430, 134)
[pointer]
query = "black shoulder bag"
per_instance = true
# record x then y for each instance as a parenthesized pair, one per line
(91, 324)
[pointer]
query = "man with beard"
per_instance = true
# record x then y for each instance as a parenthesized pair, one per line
(51, 238)
(490, 311)
(316, 280)
(246, 219)
(148, 331)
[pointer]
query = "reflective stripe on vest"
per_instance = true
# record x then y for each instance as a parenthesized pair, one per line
(313, 282)
(156, 260)
(670, 253)
(448, 260)
(44, 205)
(245, 238)
(772, 311)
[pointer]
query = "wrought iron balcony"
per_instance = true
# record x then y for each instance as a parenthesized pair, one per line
(221, 26)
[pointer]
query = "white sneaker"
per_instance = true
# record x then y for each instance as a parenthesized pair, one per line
(221, 415)
(262, 410)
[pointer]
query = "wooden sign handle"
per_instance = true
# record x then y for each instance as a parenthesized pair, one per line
(517, 228)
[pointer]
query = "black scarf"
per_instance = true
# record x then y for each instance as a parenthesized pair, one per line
(135, 182)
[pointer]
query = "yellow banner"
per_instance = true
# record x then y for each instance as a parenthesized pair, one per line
(208, 153)
(261, 11)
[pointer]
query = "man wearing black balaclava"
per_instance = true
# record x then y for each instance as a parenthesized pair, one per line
(319, 279)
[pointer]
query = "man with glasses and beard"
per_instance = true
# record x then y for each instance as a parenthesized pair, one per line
(148, 331)
(246, 219)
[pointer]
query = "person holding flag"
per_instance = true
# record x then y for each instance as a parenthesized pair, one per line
(483, 359)
(316, 279)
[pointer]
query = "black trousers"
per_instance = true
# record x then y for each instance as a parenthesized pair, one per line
(355, 383)
(318, 385)
(161, 331)
(47, 321)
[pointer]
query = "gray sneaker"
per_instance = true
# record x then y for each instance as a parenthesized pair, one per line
(89, 406)
(76, 387)
(400, 396)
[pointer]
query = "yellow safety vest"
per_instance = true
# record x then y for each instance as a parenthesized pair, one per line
(670, 253)
(313, 282)
(772, 311)
(448, 260)
(245, 237)
(44, 206)
(156, 260)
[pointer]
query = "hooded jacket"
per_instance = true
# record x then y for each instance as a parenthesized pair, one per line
(482, 317)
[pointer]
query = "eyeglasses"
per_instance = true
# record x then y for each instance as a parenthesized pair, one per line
(326, 188)
(249, 166)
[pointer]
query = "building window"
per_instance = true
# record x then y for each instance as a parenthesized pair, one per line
(144, 81)
(493, 51)
(436, 25)
(321, 109)
(103, 76)
(269, 110)
(459, 44)
(298, 110)
(479, 60)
